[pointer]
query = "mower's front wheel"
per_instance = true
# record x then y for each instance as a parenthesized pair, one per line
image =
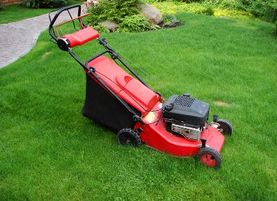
(209, 157)
(225, 127)
(127, 136)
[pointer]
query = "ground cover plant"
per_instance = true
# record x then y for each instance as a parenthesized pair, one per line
(49, 151)
(17, 12)
(125, 13)
(262, 9)
(265, 9)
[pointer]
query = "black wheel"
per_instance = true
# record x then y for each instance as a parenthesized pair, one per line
(209, 157)
(225, 127)
(127, 136)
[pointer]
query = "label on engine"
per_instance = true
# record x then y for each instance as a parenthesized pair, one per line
(187, 132)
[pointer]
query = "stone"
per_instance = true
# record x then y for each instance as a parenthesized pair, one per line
(151, 13)
(89, 3)
(111, 26)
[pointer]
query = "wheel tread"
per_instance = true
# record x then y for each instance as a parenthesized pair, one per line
(128, 133)
(213, 152)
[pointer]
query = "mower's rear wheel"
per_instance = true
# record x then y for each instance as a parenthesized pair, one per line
(127, 136)
(225, 127)
(209, 157)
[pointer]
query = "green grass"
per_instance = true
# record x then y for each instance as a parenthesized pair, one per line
(49, 151)
(17, 12)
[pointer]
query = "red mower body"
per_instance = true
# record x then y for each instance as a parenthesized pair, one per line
(154, 133)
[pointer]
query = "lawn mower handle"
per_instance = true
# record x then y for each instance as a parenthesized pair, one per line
(58, 12)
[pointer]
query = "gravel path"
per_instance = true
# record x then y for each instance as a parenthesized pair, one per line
(18, 38)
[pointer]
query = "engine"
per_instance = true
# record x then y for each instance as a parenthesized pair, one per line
(185, 116)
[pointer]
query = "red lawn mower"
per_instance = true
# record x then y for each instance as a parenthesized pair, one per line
(126, 104)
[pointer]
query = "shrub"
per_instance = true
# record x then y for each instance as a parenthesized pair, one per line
(265, 9)
(135, 23)
(113, 10)
(45, 3)
(101, 29)
(186, 1)
(170, 21)
(123, 12)
(206, 9)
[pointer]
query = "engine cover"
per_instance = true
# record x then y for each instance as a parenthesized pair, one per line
(186, 110)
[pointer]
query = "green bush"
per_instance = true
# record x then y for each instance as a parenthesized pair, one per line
(206, 9)
(123, 12)
(113, 10)
(186, 1)
(45, 3)
(136, 23)
(265, 9)
(170, 21)
(101, 29)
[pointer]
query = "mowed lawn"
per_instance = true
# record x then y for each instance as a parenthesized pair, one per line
(49, 151)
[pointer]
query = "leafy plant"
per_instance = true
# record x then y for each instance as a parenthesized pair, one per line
(136, 23)
(113, 10)
(265, 9)
(101, 29)
(206, 11)
(170, 21)
(123, 12)
(186, 1)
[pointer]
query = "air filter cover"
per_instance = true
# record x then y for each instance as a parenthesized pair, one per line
(186, 109)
